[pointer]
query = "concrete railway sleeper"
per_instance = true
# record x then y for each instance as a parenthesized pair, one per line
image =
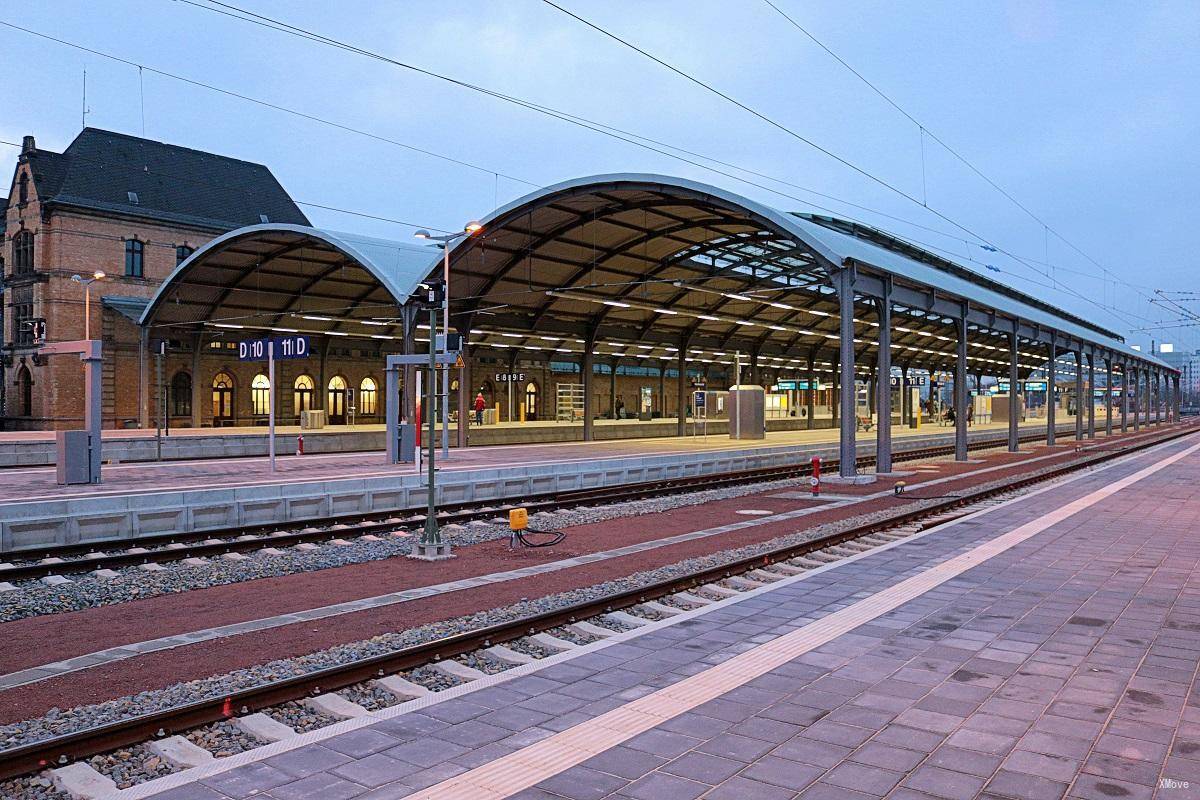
(83, 764)
(52, 564)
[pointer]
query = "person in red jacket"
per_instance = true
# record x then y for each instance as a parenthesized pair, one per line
(480, 405)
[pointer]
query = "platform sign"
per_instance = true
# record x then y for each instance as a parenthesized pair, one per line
(916, 380)
(699, 400)
(285, 347)
(1035, 386)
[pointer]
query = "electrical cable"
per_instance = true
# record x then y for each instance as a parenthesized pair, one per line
(597, 127)
(776, 124)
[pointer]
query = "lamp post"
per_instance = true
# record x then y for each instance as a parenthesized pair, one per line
(444, 241)
(87, 300)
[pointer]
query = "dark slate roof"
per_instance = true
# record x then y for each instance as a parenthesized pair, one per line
(173, 184)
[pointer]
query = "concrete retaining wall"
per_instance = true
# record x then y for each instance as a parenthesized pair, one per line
(25, 526)
(183, 445)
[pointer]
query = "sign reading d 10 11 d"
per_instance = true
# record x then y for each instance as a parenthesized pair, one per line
(285, 347)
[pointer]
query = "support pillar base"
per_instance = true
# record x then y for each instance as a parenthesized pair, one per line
(854, 480)
(431, 552)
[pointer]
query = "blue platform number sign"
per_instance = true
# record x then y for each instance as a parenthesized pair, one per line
(285, 347)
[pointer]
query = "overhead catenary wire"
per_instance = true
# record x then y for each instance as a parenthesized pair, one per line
(595, 126)
(782, 127)
(235, 12)
(925, 131)
(639, 140)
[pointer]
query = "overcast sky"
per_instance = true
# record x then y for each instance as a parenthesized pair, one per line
(1087, 113)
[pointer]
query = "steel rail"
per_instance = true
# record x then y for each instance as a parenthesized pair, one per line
(247, 538)
(64, 749)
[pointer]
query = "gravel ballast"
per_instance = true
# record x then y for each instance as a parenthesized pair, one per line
(58, 722)
(33, 598)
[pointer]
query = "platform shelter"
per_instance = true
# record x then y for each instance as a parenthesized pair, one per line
(670, 280)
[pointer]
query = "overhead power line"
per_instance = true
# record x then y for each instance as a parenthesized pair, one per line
(780, 126)
(639, 140)
(227, 188)
(597, 127)
(925, 131)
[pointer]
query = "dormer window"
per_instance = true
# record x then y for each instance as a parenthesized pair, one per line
(135, 253)
(133, 198)
(263, 219)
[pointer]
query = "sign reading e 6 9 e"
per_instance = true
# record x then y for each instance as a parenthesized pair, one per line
(285, 347)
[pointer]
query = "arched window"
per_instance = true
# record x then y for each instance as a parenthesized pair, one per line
(182, 252)
(222, 395)
(181, 395)
(367, 403)
(135, 254)
(302, 394)
(23, 253)
(25, 391)
(336, 393)
(260, 395)
(531, 401)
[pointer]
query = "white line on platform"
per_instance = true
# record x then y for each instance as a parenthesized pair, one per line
(537, 762)
(150, 788)
(129, 650)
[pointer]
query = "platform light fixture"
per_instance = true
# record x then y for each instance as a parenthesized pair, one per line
(98, 275)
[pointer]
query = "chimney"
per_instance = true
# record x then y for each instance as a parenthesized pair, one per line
(28, 145)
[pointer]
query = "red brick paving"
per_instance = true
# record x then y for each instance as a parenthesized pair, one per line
(45, 639)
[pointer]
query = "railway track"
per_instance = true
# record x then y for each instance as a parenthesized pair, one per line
(521, 640)
(61, 560)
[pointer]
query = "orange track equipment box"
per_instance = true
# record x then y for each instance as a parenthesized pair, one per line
(518, 518)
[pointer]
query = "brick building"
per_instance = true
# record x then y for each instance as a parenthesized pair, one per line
(134, 209)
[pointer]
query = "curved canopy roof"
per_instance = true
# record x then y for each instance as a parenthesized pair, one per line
(290, 277)
(632, 266)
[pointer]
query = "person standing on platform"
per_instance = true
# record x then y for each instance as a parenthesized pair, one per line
(480, 405)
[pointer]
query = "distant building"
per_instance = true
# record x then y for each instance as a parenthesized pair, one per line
(1189, 381)
(132, 208)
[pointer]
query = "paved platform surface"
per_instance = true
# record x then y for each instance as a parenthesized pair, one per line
(37, 483)
(1045, 648)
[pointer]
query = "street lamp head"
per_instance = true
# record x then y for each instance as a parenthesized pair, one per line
(423, 234)
(98, 275)
(473, 227)
(77, 279)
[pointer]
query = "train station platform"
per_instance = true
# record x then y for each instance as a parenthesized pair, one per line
(137, 500)
(122, 446)
(1045, 647)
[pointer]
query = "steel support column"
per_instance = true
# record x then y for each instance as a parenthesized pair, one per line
(465, 396)
(1079, 395)
(960, 389)
(1014, 439)
(587, 366)
(812, 383)
(681, 384)
(1108, 389)
(883, 383)
(197, 396)
(1124, 397)
(848, 450)
(1091, 392)
(1051, 374)
(1137, 399)
(1178, 399)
